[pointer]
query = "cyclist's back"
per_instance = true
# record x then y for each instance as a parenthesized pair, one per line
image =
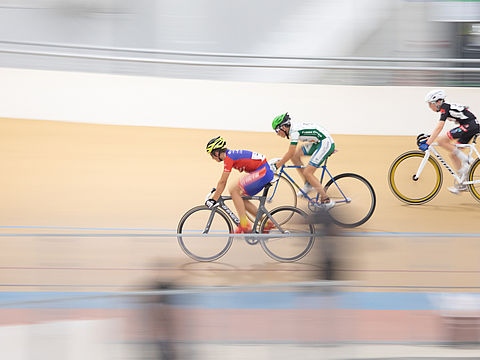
(456, 112)
(308, 132)
(243, 160)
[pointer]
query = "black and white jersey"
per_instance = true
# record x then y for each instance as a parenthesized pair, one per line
(456, 112)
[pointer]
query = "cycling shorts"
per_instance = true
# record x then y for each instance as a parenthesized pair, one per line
(464, 133)
(255, 181)
(319, 151)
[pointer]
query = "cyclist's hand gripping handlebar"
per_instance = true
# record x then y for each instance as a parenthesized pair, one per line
(273, 164)
(210, 194)
(210, 203)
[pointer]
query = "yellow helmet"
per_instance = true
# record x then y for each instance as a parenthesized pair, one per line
(216, 144)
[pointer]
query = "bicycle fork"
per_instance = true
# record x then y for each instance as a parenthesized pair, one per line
(437, 155)
(422, 165)
(230, 213)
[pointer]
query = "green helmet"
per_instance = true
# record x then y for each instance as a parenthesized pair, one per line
(216, 144)
(280, 120)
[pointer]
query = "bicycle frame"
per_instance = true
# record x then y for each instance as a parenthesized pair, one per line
(220, 217)
(431, 150)
(262, 210)
(323, 175)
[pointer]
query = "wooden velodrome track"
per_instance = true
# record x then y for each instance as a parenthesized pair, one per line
(120, 179)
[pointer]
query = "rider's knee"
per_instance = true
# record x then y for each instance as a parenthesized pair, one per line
(296, 160)
(234, 189)
(443, 140)
(309, 170)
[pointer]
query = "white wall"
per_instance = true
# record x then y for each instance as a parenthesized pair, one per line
(153, 101)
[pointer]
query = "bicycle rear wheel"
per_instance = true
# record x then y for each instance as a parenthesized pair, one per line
(282, 193)
(408, 189)
(293, 247)
(474, 175)
(202, 248)
(354, 198)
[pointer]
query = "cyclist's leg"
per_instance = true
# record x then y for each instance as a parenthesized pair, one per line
(297, 158)
(446, 143)
(250, 185)
(323, 151)
(307, 149)
(236, 191)
(459, 159)
(460, 134)
(312, 179)
(250, 207)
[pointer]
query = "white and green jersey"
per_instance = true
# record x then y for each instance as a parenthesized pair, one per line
(307, 132)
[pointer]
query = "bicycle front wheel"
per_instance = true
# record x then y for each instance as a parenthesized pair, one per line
(292, 221)
(474, 175)
(354, 198)
(282, 193)
(202, 220)
(407, 188)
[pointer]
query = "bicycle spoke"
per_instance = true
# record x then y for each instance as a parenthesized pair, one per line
(354, 198)
(203, 248)
(298, 242)
(406, 186)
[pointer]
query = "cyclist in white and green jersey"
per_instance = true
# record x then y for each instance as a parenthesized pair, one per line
(316, 143)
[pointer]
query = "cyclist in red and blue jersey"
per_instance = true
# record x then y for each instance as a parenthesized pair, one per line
(258, 175)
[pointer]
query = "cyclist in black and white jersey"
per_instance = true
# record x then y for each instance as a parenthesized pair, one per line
(468, 126)
(315, 141)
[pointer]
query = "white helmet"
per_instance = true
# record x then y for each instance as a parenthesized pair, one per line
(435, 95)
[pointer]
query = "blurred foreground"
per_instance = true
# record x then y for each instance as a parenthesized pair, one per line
(308, 321)
(243, 306)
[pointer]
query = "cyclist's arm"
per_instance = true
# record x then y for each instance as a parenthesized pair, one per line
(288, 155)
(436, 132)
(222, 183)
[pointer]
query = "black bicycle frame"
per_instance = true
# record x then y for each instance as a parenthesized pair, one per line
(262, 210)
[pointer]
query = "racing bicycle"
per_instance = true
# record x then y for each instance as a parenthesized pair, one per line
(415, 177)
(354, 197)
(290, 239)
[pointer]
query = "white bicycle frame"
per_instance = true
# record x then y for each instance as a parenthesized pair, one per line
(431, 150)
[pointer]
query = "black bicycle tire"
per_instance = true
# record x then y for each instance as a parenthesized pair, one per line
(191, 254)
(402, 197)
(372, 205)
(473, 191)
(263, 240)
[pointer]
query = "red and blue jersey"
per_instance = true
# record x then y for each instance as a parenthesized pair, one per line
(243, 160)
